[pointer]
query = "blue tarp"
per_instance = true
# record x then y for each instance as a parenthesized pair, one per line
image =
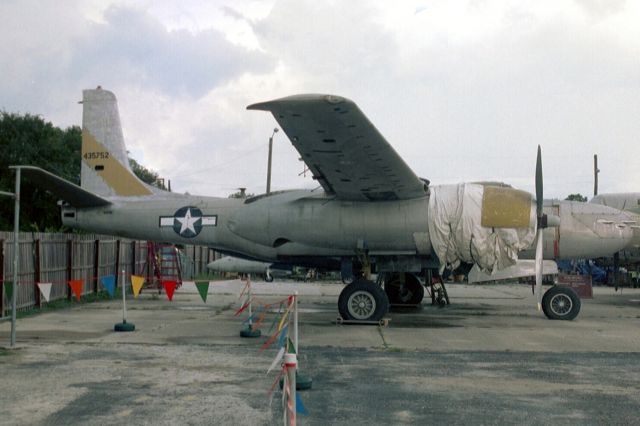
(583, 267)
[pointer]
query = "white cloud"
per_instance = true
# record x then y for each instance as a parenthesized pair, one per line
(464, 90)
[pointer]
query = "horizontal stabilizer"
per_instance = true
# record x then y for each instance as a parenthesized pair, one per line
(62, 188)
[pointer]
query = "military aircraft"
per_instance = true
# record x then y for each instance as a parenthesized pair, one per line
(370, 211)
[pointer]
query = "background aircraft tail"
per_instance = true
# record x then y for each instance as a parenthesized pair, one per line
(105, 165)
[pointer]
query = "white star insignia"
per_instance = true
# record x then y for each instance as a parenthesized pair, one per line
(187, 222)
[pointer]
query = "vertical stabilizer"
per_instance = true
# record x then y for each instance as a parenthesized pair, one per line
(105, 165)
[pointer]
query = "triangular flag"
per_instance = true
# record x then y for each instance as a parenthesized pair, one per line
(136, 284)
(8, 290)
(277, 360)
(76, 287)
(109, 284)
(300, 406)
(203, 289)
(169, 287)
(291, 349)
(45, 289)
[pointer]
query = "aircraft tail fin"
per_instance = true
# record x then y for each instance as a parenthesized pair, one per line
(105, 164)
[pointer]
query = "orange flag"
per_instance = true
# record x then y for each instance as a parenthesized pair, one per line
(136, 284)
(169, 287)
(76, 287)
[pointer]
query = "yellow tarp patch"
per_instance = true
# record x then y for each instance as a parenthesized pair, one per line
(505, 208)
(118, 177)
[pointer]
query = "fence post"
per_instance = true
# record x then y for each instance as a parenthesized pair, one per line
(133, 257)
(96, 265)
(36, 270)
(1, 278)
(69, 267)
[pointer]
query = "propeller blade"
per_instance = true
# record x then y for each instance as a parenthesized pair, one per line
(539, 194)
(538, 268)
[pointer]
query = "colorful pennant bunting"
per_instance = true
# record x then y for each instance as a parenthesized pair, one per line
(109, 284)
(203, 289)
(283, 336)
(169, 288)
(136, 284)
(45, 290)
(76, 287)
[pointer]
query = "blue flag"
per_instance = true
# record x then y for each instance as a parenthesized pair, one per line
(300, 406)
(283, 335)
(109, 284)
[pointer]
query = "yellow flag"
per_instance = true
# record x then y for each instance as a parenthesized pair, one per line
(136, 284)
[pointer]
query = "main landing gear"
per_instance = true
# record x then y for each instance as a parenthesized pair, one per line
(404, 289)
(363, 300)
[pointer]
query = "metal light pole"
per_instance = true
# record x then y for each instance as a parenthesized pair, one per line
(275, 130)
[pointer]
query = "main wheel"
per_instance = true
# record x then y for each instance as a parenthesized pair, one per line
(561, 303)
(411, 292)
(268, 277)
(363, 300)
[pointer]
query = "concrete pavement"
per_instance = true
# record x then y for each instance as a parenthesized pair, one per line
(489, 358)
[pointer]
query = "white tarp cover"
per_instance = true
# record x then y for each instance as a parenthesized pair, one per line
(455, 213)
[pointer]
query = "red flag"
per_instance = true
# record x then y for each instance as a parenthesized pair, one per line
(76, 287)
(169, 287)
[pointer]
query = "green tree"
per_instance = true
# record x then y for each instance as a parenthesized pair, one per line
(146, 175)
(576, 197)
(29, 140)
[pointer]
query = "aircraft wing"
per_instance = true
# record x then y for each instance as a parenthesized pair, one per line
(344, 151)
(62, 188)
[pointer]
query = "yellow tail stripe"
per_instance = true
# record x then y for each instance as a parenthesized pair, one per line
(102, 162)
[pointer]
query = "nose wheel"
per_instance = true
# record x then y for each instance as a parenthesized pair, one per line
(561, 303)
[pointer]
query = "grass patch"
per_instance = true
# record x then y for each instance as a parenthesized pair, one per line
(4, 352)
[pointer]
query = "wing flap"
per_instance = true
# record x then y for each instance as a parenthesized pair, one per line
(345, 152)
(62, 188)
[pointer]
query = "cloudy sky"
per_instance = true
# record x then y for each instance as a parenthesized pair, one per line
(463, 90)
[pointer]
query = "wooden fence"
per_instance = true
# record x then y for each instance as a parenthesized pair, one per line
(58, 258)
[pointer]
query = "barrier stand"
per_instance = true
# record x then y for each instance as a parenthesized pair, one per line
(290, 365)
(302, 382)
(250, 331)
(124, 325)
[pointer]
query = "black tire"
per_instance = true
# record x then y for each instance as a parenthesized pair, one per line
(268, 278)
(561, 303)
(250, 332)
(411, 293)
(363, 300)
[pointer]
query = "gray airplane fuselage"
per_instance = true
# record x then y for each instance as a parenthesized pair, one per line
(301, 224)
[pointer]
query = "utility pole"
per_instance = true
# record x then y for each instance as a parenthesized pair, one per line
(596, 170)
(275, 130)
